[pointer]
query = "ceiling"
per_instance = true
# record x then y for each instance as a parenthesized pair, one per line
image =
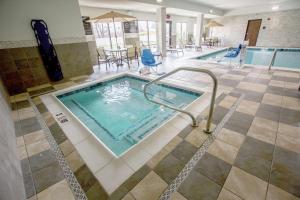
(234, 4)
(228, 7)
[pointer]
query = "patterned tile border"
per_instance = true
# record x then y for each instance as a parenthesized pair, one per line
(198, 155)
(70, 177)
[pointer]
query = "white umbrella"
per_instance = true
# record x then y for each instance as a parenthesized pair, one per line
(113, 17)
(212, 24)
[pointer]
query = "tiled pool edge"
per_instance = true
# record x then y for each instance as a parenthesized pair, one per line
(72, 181)
(89, 187)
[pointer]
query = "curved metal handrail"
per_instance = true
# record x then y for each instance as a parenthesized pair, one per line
(213, 96)
(273, 59)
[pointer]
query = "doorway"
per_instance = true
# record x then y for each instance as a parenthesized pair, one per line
(252, 31)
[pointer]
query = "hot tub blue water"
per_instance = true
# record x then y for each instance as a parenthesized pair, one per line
(287, 58)
(118, 114)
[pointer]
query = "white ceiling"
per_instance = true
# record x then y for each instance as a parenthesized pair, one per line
(234, 4)
(231, 7)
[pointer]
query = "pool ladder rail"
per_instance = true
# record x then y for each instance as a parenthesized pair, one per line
(273, 59)
(212, 101)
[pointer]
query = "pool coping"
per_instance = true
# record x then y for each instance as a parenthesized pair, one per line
(101, 163)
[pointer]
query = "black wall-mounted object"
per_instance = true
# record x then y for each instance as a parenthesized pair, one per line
(47, 50)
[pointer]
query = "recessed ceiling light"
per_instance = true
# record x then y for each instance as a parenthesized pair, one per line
(275, 7)
(159, 1)
(211, 11)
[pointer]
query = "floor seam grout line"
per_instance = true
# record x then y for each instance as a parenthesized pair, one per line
(68, 174)
(199, 153)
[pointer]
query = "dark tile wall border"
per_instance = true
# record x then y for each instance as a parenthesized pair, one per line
(21, 68)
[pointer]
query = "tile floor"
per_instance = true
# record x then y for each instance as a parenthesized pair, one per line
(256, 155)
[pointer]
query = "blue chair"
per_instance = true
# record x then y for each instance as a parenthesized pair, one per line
(148, 60)
(234, 52)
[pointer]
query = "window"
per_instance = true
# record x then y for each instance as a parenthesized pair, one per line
(105, 35)
(181, 33)
(147, 32)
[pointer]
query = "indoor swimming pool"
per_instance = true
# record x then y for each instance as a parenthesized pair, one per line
(117, 113)
(285, 57)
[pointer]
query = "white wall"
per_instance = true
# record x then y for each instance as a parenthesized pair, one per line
(282, 30)
(62, 17)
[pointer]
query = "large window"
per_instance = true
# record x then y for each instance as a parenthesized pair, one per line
(105, 35)
(181, 33)
(147, 32)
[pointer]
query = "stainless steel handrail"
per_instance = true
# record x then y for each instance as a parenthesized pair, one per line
(213, 96)
(273, 58)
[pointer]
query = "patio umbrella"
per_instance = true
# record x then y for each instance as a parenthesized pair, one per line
(212, 24)
(113, 16)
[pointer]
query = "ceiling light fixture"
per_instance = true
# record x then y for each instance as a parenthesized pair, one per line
(211, 11)
(275, 7)
(159, 1)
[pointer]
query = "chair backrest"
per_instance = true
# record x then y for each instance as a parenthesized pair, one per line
(147, 57)
(101, 52)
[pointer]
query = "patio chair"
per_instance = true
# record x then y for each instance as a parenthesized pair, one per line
(178, 49)
(232, 53)
(149, 61)
(132, 54)
(102, 57)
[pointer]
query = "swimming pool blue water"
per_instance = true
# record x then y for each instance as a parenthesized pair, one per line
(288, 58)
(117, 112)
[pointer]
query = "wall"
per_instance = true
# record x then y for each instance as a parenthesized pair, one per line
(20, 62)
(282, 30)
(11, 181)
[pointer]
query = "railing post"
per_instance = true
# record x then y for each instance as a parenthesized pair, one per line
(213, 97)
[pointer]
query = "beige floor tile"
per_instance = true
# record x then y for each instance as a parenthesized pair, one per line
(272, 99)
(66, 147)
(276, 83)
(37, 100)
(231, 137)
(262, 134)
(37, 147)
(252, 86)
(22, 153)
(128, 196)
(223, 151)
(265, 123)
(15, 115)
(265, 76)
(34, 197)
(177, 196)
(20, 141)
(227, 195)
(248, 107)
(34, 137)
(286, 74)
(25, 113)
(233, 77)
(157, 158)
(173, 143)
(79, 77)
(74, 160)
(151, 187)
(197, 137)
(287, 142)
(253, 75)
(292, 131)
(228, 101)
(291, 103)
(60, 190)
(290, 85)
(245, 185)
(275, 193)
